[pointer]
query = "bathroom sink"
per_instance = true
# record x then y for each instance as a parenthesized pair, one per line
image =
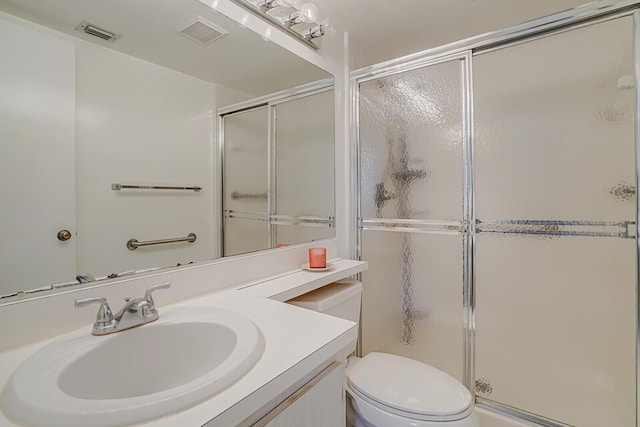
(185, 357)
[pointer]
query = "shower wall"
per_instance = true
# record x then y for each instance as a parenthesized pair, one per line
(498, 221)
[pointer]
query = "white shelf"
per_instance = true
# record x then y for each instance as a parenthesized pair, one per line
(289, 286)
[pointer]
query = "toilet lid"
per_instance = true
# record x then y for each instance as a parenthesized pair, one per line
(409, 386)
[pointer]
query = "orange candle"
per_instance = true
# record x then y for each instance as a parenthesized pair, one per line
(317, 258)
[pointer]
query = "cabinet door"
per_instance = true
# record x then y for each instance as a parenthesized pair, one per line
(319, 403)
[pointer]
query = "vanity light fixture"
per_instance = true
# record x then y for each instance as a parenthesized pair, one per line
(265, 5)
(295, 17)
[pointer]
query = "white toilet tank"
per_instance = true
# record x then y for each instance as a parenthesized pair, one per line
(339, 299)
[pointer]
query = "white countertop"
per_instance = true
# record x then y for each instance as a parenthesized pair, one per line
(297, 342)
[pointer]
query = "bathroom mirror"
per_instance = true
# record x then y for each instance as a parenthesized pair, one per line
(108, 126)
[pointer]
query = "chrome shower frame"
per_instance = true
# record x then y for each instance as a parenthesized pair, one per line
(465, 50)
(270, 103)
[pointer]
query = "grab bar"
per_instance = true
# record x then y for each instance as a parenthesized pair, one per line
(135, 244)
(118, 187)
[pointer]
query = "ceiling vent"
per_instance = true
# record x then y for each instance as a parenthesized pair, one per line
(91, 29)
(202, 31)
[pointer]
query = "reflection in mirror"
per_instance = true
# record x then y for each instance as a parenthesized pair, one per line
(79, 113)
(246, 181)
(278, 171)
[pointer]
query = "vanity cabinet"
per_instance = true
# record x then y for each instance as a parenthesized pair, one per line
(318, 403)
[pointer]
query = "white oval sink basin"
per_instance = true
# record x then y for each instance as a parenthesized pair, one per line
(184, 358)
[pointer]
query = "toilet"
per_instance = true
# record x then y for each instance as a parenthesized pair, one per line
(386, 390)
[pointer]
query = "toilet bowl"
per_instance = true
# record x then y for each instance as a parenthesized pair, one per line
(386, 390)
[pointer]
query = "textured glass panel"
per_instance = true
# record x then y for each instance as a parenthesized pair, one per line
(411, 144)
(292, 234)
(555, 327)
(412, 299)
(242, 236)
(246, 161)
(554, 132)
(305, 156)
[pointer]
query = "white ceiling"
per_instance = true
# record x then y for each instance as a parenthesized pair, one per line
(241, 60)
(382, 30)
(388, 29)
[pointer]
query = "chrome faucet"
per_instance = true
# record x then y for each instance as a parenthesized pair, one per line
(135, 312)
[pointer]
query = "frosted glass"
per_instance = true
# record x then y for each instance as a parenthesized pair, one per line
(305, 156)
(554, 128)
(245, 161)
(410, 138)
(292, 234)
(555, 327)
(553, 140)
(242, 236)
(412, 298)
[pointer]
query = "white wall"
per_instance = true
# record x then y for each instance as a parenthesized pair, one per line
(359, 55)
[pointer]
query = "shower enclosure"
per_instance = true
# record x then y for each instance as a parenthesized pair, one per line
(277, 169)
(498, 214)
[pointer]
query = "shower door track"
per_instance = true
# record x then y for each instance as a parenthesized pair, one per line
(571, 19)
(517, 413)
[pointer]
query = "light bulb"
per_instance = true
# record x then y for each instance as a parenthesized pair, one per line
(309, 12)
(296, 3)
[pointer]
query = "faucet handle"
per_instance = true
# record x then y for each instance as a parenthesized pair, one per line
(150, 290)
(104, 318)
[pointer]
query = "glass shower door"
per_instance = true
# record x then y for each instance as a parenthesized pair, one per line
(245, 200)
(304, 169)
(411, 143)
(555, 255)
